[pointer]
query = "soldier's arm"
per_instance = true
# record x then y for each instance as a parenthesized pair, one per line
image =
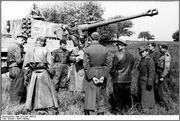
(114, 65)
(86, 65)
(108, 63)
(151, 71)
(18, 56)
(157, 56)
(166, 66)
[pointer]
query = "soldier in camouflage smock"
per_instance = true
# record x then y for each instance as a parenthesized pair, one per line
(164, 63)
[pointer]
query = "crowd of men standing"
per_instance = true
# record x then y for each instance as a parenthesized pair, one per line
(41, 73)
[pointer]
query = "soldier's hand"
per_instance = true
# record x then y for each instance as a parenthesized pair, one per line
(161, 79)
(95, 80)
(149, 87)
(101, 80)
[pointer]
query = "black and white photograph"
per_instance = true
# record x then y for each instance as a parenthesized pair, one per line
(89, 60)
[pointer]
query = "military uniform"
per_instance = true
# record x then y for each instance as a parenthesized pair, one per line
(97, 63)
(155, 55)
(122, 66)
(75, 34)
(14, 62)
(41, 94)
(60, 61)
(164, 72)
(146, 78)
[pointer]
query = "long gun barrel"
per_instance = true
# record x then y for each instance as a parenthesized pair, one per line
(86, 27)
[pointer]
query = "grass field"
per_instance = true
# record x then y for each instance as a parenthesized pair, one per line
(73, 104)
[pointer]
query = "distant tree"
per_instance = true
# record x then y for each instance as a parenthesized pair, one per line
(145, 35)
(116, 30)
(175, 36)
(64, 12)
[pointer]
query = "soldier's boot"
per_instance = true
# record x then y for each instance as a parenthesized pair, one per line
(86, 112)
(100, 113)
(168, 107)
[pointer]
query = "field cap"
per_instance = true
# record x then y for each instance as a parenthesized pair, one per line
(62, 41)
(142, 49)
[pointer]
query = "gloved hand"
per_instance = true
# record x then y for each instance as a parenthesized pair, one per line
(148, 87)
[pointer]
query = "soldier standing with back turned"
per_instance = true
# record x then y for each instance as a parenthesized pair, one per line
(122, 66)
(97, 63)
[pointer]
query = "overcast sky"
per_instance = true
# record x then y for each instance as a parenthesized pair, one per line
(161, 25)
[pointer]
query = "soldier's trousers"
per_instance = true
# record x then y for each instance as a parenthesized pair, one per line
(60, 78)
(17, 87)
(163, 91)
(121, 96)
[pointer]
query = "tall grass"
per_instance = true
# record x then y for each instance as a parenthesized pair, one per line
(73, 103)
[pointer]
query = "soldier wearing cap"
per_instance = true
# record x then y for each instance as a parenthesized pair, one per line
(60, 61)
(164, 64)
(122, 66)
(75, 34)
(16, 73)
(35, 12)
(146, 79)
(97, 63)
(155, 55)
(41, 95)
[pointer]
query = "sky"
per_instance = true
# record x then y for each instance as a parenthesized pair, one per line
(161, 25)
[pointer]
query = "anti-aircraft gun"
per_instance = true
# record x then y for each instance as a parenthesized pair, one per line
(90, 28)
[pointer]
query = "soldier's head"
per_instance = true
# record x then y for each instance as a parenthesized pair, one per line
(34, 5)
(151, 46)
(121, 44)
(41, 40)
(73, 23)
(95, 36)
(163, 48)
(22, 39)
(62, 43)
(143, 51)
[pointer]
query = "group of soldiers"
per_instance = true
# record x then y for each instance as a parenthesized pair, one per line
(41, 73)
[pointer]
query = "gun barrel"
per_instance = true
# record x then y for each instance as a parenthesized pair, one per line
(86, 27)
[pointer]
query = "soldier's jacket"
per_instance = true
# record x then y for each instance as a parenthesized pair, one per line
(15, 55)
(164, 63)
(122, 66)
(60, 56)
(155, 55)
(97, 61)
(147, 70)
